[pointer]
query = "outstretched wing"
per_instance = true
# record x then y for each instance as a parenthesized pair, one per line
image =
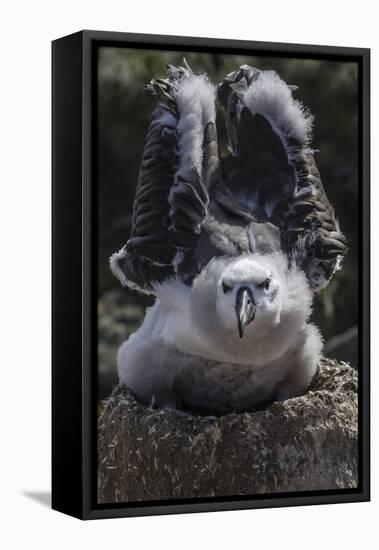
(179, 161)
(272, 172)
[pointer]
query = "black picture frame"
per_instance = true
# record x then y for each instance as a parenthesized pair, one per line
(74, 274)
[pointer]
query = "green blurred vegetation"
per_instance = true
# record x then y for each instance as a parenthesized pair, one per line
(328, 88)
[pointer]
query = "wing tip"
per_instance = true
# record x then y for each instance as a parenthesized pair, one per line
(271, 96)
(115, 267)
(264, 92)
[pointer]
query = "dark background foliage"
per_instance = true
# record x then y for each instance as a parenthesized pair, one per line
(328, 88)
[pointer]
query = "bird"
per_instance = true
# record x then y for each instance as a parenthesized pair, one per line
(234, 247)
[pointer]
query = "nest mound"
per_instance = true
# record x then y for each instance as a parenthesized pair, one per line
(305, 443)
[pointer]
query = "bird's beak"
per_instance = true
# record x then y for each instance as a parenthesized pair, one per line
(245, 308)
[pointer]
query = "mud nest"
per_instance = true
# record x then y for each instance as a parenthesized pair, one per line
(305, 443)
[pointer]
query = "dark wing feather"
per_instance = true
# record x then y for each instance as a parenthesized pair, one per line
(273, 174)
(149, 252)
(171, 200)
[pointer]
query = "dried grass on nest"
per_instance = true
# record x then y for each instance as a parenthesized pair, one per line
(306, 443)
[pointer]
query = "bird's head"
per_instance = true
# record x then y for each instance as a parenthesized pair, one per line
(249, 295)
(253, 306)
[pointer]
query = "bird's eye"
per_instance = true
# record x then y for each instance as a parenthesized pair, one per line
(266, 284)
(226, 288)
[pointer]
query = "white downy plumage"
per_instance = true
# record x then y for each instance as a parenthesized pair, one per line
(189, 352)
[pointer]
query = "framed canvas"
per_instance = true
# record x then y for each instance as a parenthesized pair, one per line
(210, 275)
